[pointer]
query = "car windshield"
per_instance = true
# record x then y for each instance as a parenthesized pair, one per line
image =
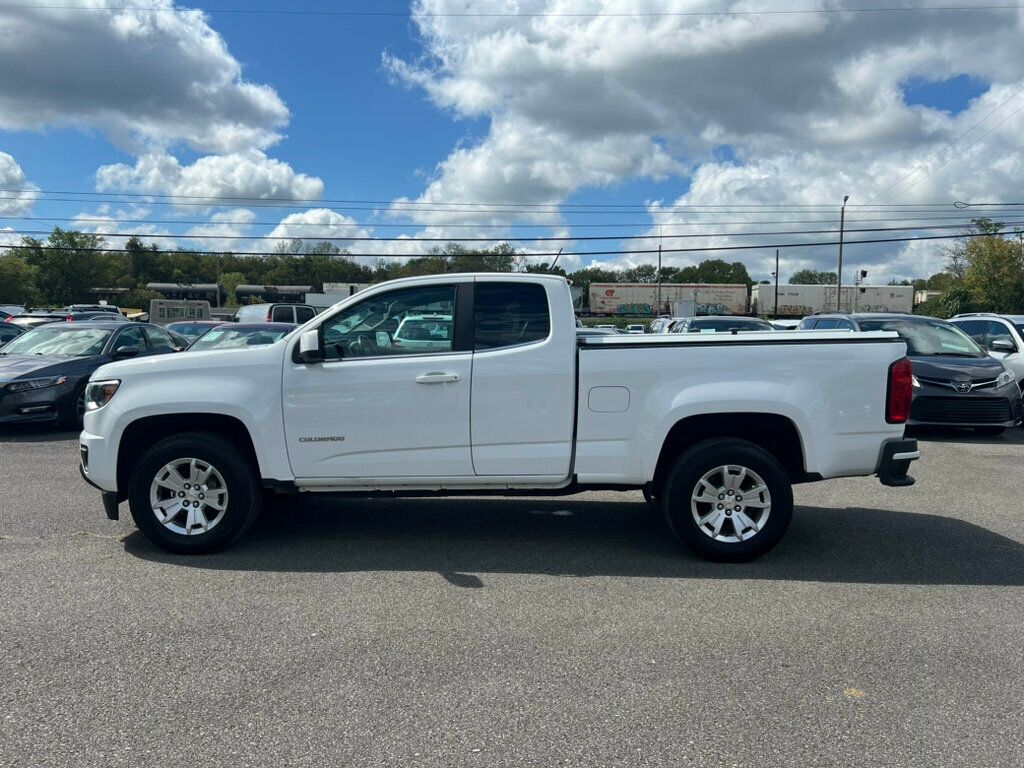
(189, 330)
(59, 339)
(237, 338)
(740, 324)
(928, 337)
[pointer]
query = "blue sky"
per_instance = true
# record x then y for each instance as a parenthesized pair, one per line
(698, 124)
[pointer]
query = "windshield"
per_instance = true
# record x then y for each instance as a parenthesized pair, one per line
(189, 330)
(928, 337)
(740, 324)
(59, 339)
(237, 338)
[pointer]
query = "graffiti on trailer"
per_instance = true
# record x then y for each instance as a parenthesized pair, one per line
(713, 309)
(634, 309)
(874, 308)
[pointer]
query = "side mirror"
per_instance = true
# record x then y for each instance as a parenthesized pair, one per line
(309, 350)
(123, 353)
(1002, 345)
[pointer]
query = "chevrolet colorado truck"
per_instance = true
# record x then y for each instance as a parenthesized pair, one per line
(502, 397)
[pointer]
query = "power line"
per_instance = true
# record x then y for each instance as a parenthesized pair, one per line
(963, 218)
(700, 249)
(553, 239)
(433, 206)
(510, 15)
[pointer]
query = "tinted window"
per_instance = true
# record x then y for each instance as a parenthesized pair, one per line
(160, 340)
(506, 314)
(302, 314)
(405, 321)
(974, 328)
(283, 315)
(826, 324)
(131, 337)
(997, 331)
(8, 332)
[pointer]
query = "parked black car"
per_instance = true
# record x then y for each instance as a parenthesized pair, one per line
(956, 383)
(44, 371)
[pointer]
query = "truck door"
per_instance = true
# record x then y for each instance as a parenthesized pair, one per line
(524, 378)
(383, 405)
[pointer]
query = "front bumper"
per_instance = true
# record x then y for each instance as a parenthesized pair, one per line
(940, 407)
(111, 500)
(36, 405)
(895, 461)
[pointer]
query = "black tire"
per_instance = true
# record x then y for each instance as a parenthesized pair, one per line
(76, 411)
(990, 431)
(684, 480)
(244, 494)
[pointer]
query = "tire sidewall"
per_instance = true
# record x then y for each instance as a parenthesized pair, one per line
(682, 481)
(238, 478)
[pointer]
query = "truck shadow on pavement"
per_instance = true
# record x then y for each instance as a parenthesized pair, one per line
(458, 538)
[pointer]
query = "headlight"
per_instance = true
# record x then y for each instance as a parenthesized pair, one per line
(28, 384)
(98, 393)
(914, 381)
(1005, 378)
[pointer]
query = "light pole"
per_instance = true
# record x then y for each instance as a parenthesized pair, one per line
(839, 274)
(776, 315)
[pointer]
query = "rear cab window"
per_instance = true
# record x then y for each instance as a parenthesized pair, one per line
(507, 314)
(283, 315)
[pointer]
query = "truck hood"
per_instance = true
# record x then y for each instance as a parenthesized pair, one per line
(226, 363)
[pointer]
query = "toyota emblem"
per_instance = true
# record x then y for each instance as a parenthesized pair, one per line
(963, 386)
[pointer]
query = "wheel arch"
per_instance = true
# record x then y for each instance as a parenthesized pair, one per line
(775, 433)
(147, 430)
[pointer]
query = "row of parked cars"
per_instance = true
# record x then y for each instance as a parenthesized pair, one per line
(46, 358)
(968, 371)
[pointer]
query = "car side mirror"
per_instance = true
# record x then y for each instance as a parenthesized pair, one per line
(1002, 345)
(123, 353)
(309, 350)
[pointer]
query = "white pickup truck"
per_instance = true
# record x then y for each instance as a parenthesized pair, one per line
(506, 399)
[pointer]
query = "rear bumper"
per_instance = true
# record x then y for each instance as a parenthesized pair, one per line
(895, 461)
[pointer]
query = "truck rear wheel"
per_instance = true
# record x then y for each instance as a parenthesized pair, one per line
(193, 493)
(728, 500)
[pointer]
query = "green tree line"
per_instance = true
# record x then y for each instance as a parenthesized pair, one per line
(67, 267)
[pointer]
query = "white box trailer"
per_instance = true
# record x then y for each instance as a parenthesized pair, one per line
(164, 311)
(641, 299)
(801, 300)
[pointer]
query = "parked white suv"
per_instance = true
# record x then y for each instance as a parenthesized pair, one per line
(1001, 335)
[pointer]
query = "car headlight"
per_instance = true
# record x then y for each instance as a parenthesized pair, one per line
(914, 381)
(98, 393)
(26, 385)
(1005, 378)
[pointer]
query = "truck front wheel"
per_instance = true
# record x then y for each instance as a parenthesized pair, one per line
(728, 500)
(193, 493)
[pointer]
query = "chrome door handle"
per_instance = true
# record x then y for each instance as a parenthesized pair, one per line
(437, 377)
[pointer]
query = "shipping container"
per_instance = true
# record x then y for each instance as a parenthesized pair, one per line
(801, 300)
(639, 299)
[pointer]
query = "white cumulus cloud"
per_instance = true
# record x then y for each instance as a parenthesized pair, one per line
(17, 193)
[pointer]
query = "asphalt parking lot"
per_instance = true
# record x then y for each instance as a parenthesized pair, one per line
(887, 629)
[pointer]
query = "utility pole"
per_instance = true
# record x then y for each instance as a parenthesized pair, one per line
(657, 310)
(776, 315)
(217, 289)
(839, 274)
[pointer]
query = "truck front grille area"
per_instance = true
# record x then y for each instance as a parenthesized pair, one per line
(961, 410)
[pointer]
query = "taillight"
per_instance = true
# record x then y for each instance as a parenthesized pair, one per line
(901, 392)
(269, 313)
(69, 319)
